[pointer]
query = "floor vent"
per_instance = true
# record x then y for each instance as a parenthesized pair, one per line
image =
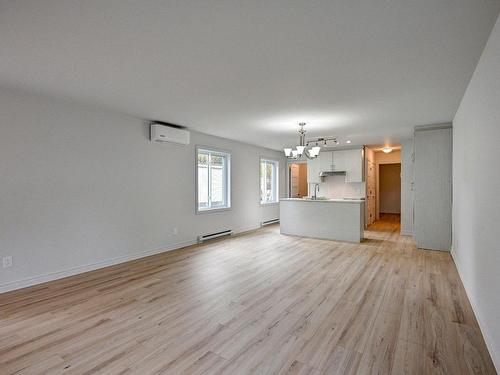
(206, 237)
(267, 222)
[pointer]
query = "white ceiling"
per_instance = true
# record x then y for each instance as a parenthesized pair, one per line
(365, 70)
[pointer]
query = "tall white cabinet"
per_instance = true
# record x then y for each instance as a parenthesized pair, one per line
(433, 187)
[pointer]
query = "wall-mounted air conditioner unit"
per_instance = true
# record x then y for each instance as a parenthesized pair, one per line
(165, 133)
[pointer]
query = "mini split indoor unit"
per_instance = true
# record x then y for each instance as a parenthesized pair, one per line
(162, 132)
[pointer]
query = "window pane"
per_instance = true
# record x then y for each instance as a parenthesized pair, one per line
(217, 160)
(202, 186)
(217, 185)
(268, 181)
(213, 180)
(262, 182)
(203, 158)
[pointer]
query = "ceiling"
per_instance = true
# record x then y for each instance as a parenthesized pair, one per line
(364, 70)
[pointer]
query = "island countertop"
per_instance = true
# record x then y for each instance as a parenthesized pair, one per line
(329, 200)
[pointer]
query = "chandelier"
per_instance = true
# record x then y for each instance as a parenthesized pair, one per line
(310, 147)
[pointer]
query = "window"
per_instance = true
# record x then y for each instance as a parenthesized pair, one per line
(268, 181)
(213, 175)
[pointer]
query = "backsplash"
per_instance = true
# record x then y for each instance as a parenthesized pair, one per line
(336, 187)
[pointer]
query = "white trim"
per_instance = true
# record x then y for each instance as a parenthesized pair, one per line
(52, 276)
(246, 229)
(487, 338)
(406, 232)
(23, 283)
(276, 181)
(228, 179)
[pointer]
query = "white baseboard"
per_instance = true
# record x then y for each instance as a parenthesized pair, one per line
(23, 283)
(406, 232)
(246, 229)
(482, 326)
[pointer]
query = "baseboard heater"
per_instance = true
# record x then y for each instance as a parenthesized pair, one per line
(268, 222)
(211, 236)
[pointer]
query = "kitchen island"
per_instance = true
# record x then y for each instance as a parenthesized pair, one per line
(331, 219)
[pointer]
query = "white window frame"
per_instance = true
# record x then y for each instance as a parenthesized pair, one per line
(227, 180)
(275, 183)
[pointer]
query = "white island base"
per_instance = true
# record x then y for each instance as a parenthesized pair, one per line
(332, 219)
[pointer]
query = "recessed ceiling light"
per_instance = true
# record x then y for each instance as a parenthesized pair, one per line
(347, 141)
(387, 149)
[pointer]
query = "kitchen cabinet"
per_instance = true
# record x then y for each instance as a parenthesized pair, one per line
(333, 161)
(332, 219)
(349, 161)
(354, 165)
(313, 169)
(326, 161)
(339, 160)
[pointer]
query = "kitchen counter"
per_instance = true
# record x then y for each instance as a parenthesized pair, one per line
(332, 219)
(332, 200)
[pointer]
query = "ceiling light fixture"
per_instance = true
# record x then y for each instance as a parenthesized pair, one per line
(303, 147)
(387, 149)
(348, 141)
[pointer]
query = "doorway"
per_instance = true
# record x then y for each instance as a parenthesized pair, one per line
(390, 189)
(297, 180)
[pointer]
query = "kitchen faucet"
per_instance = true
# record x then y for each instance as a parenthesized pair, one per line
(316, 188)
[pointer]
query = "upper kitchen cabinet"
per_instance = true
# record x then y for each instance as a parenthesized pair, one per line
(333, 161)
(354, 165)
(326, 161)
(339, 160)
(313, 170)
(348, 161)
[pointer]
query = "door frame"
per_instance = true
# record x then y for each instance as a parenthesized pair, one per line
(377, 187)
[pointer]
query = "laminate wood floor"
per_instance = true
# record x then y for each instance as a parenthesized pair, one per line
(260, 303)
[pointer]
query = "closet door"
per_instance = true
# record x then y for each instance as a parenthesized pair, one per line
(433, 189)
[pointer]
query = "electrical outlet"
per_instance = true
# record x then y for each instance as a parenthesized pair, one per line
(176, 231)
(7, 262)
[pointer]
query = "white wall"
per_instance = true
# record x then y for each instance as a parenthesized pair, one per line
(336, 187)
(82, 187)
(476, 188)
(407, 187)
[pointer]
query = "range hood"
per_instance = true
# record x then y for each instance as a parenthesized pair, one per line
(330, 173)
